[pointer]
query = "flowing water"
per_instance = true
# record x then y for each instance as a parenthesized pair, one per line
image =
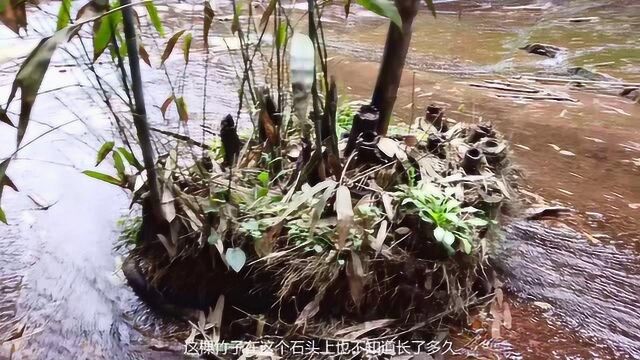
(574, 283)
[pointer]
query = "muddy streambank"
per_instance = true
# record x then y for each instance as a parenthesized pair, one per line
(573, 282)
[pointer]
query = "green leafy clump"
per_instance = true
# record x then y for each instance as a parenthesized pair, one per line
(445, 213)
(344, 119)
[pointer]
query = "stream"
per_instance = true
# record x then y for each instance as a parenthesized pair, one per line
(573, 282)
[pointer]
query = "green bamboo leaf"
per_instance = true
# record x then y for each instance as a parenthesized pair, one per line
(155, 18)
(144, 55)
(431, 7)
(281, 38)
(131, 159)
(3, 217)
(118, 164)
(64, 15)
(165, 105)
(170, 45)
(186, 46)
(104, 177)
(103, 32)
(16, 17)
(104, 150)
(384, 8)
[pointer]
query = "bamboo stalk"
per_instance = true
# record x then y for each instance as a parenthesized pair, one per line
(140, 111)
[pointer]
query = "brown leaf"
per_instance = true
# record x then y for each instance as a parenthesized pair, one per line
(355, 275)
(410, 140)
(92, 9)
(310, 310)
(267, 13)
(506, 315)
(388, 205)
(165, 105)
(14, 15)
(499, 297)
(495, 329)
(269, 127)
(182, 109)
(264, 247)
(497, 319)
(382, 234)
(208, 19)
(144, 55)
(170, 45)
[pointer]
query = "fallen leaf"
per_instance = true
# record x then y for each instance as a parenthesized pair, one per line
(543, 305)
(170, 45)
(264, 246)
(382, 234)
(635, 206)
(566, 153)
(387, 202)
(506, 315)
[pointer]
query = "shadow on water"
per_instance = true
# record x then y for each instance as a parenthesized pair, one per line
(574, 297)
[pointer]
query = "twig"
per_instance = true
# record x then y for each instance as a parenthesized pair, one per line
(565, 80)
(184, 138)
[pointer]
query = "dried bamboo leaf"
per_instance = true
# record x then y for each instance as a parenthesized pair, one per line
(344, 212)
(208, 19)
(355, 275)
(310, 310)
(382, 234)
(170, 45)
(355, 331)
(267, 13)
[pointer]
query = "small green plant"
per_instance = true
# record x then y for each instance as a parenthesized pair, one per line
(441, 209)
(344, 119)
